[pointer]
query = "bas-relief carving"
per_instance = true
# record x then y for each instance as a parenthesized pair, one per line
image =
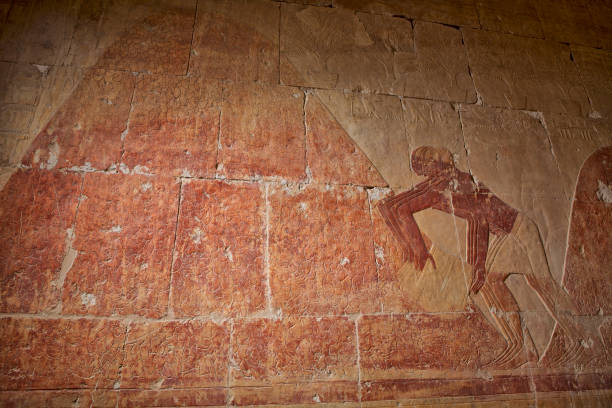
(501, 241)
(465, 235)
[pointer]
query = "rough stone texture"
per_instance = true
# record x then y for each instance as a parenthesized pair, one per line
(461, 13)
(37, 211)
(124, 238)
(525, 73)
(59, 353)
(390, 344)
(252, 263)
(201, 397)
(517, 17)
(321, 253)
(175, 355)
(366, 115)
(596, 72)
(336, 48)
(86, 132)
(262, 132)
(332, 156)
(184, 111)
(236, 40)
(293, 350)
(38, 32)
(219, 255)
(573, 140)
(568, 21)
(589, 253)
(58, 398)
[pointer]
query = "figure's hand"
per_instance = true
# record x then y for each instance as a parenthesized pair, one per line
(478, 279)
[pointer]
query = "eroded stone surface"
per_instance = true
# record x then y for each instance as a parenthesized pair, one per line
(375, 123)
(201, 397)
(160, 42)
(38, 32)
(37, 211)
(293, 350)
(58, 398)
(174, 126)
(59, 353)
(390, 344)
(568, 21)
(86, 131)
(219, 255)
(517, 17)
(124, 236)
(236, 40)
(321, 252)
(596, 72)
(525, 73)
(589, 260)
(262, 132)
(462, 12)
(332, 156)
(339, 49)
(343, 393)
(175, 355)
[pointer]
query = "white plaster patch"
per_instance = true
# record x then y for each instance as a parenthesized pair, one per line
(145, 186)
(124, 168)
(196, 235)
(303, 206)
(54, 151)
(604, 192)
(379, 252)
(88, 299)
(228, 254)
(344, 261)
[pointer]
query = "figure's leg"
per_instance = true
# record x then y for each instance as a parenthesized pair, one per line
(504, 312)
(555, 299)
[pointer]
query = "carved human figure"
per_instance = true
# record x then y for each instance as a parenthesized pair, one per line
(494, 228)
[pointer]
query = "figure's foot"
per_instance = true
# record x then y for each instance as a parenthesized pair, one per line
(514, 356)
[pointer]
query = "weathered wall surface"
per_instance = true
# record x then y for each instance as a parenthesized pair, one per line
(366, 203)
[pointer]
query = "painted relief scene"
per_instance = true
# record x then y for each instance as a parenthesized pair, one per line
(340, 203)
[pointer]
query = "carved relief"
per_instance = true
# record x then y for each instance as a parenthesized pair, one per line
(501, 241)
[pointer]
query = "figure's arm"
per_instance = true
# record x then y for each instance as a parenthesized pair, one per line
(397, 211)
(477, 247)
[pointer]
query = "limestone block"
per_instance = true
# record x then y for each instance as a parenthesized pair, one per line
(236, 40)
(37, 210)
(596, 72)
(219, 254)
(329, 393)
(58, 398)
(573, 140)
(395, 345)
(460, 13)
(208, 397)
(134, 35)
(175, 355)
(124, 237)
(340, 49)
(86, 131)
(375, 123)
(293, 350)
(262, 132)
(38, 32)
(332, 155)
(60, 353)
(321, 252)
(174, 126)
(568, 21)
(518, 17)
(525, 73)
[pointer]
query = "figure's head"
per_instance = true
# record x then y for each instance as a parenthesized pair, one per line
(427, 160)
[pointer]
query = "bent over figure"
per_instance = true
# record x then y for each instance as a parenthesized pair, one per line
(494, 229)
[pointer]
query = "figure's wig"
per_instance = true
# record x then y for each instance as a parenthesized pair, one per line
(434, 158)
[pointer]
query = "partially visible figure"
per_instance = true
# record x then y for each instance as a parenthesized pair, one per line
(513, 236)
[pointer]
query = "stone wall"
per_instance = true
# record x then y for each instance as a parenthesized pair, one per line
(366, 203)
